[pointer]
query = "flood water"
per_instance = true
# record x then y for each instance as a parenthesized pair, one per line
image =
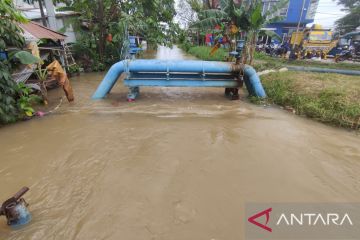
(179, 163)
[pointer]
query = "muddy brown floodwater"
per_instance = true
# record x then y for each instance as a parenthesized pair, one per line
(179, 163)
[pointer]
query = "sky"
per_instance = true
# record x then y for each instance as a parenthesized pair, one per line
(327, 13)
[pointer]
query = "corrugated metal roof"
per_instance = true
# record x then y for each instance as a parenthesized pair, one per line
(40, 31)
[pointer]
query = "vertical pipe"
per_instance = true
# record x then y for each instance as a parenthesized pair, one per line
(109, 81)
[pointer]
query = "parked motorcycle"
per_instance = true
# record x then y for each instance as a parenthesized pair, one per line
(343, 55)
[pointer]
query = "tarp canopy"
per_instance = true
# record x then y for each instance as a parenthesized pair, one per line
(35, 31)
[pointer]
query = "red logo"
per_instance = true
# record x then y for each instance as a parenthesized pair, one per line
(267, 214)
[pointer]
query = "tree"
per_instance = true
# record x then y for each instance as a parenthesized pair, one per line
(196, 5)
(15, 99)
(349, 3)
(246, 16)
(10, 35)
(351, 20)
(140, 17)
(253, 19)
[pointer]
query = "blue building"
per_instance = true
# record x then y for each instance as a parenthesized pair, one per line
(292, 14)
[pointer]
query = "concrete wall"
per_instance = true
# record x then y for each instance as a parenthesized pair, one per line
(60, 23)
(292, 18)
(294, 11)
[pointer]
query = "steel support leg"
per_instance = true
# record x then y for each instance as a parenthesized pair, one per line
(232, 93)
(133, 93)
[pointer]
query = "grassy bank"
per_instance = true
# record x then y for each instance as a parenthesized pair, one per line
(275, 62)
(329, 98)
(203, 52)
(263, 61)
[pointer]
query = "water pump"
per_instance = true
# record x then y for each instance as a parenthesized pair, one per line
(15, 209)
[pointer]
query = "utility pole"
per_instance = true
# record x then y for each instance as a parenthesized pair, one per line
(298, 26)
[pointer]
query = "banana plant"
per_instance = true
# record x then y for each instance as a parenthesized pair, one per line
(247, 16)
(26, 99)
(256, 21)
(42, 75)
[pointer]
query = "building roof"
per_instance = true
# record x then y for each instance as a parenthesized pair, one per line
(32, 29)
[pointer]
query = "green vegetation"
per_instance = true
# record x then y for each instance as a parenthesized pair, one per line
(262, 61)
(74, 69)
(25, 100)
(10, 35)
(203, 52)
(329, 98)
(103, 26)
(42, 75)
(222, 54)
(15, 100)
(351, 20)
(260, 66)
(246, 16)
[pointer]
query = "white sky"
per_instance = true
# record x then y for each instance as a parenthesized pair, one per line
(327, 13)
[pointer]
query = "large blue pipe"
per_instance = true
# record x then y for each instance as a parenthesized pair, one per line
(253, 83)
(252, 80)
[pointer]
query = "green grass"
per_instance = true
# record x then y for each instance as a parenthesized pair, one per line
(203, 53)
(266, 65)
(262, 56)
(329, 98)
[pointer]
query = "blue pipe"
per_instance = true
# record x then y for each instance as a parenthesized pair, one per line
(180, 83)
(130, 67)
(110, 79)
(253, 83)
